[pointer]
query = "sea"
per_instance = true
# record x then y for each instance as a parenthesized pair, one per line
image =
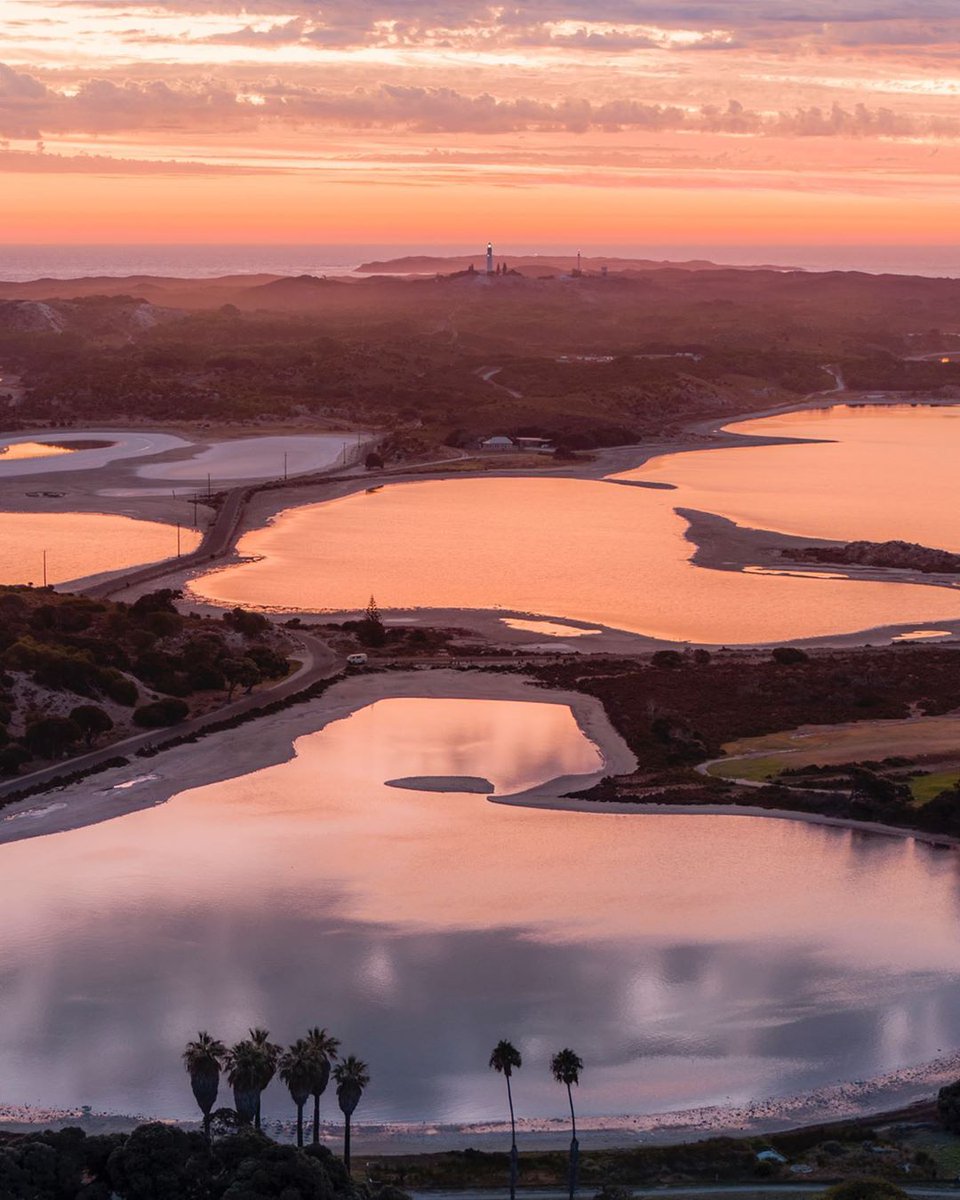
(19, 263)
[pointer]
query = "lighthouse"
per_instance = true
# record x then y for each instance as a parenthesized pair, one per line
(489, 258)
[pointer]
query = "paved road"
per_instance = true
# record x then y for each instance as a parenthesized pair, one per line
(319, 662)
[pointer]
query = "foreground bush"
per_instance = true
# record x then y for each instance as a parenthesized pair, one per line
(162, 1162)
(865, 1189)
(160, 713)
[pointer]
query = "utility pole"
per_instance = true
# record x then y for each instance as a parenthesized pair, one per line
(284, 466)
(196, 501)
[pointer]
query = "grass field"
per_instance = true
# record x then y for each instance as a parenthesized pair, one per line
(934, 738)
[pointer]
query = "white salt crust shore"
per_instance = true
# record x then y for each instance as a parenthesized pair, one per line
(271, 740)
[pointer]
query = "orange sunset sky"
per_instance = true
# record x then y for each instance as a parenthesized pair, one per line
(443, 121)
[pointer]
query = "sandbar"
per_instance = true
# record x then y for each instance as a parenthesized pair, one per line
(443, 783)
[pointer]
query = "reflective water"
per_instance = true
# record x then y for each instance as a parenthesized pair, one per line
(256, 458)
(11, 452)
(687, 959)
(600, 552)
(81, 544)
(885, 472)
(86, 453)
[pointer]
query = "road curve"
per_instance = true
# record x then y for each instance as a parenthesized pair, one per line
(319, 663)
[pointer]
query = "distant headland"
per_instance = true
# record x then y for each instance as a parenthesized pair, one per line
(543, 264)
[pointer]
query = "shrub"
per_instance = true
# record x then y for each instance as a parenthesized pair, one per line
(51, 737)
(12, 759)
(250, 624)
(667, 658)
(789, 656)
(865, 1189)
(160, 713)
(119, 688)
(91, 720)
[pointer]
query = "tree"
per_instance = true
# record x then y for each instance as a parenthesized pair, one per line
(244, 1066)
(352, 1077)
(323, 1049)
(269, 1053)
(505, 1059)
(566, 1067)
(92, 720)
(242, 671)
(203, 1059)
(296, 1068)
(948, 1107)
(370, 630)
(51, 737)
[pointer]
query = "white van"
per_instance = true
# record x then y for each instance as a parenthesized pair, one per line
(356, 660)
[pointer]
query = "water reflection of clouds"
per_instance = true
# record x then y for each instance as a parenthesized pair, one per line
(687, 958)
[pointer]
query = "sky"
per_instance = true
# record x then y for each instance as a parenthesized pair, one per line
(618, 122)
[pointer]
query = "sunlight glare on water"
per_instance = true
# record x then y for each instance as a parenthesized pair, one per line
(618, 556)
(81, 544)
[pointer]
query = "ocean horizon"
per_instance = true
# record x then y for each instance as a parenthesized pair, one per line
(22, 263)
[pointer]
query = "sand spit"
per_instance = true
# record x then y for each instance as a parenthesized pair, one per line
(444, 783)
(272, 739)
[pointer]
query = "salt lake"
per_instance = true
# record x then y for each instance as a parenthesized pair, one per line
(82, 544)
(596, 551)
(686, 958)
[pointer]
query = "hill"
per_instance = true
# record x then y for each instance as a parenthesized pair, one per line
(593, 360)
(75, 672)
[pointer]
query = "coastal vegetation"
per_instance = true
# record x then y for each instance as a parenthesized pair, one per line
(852, 1160)
(77, 673)
(413, 357)
(677, 710)
(893, 555)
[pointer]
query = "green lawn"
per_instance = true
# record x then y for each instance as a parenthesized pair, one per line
(925, 787)
(861, 741)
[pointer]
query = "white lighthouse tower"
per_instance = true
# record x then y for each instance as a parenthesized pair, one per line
(489, 258)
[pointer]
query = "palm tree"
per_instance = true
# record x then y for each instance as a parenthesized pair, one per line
(244, 1067)
(566, 1067)
(324, 1049)
(269, 1053)
(352, 1077)
(296, 1069)
(504, 1060)
(203, 1059)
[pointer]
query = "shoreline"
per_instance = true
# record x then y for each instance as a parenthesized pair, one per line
(651, 808)
(147, 783)
(888, 1092)
(720, 544)
(232, 753)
